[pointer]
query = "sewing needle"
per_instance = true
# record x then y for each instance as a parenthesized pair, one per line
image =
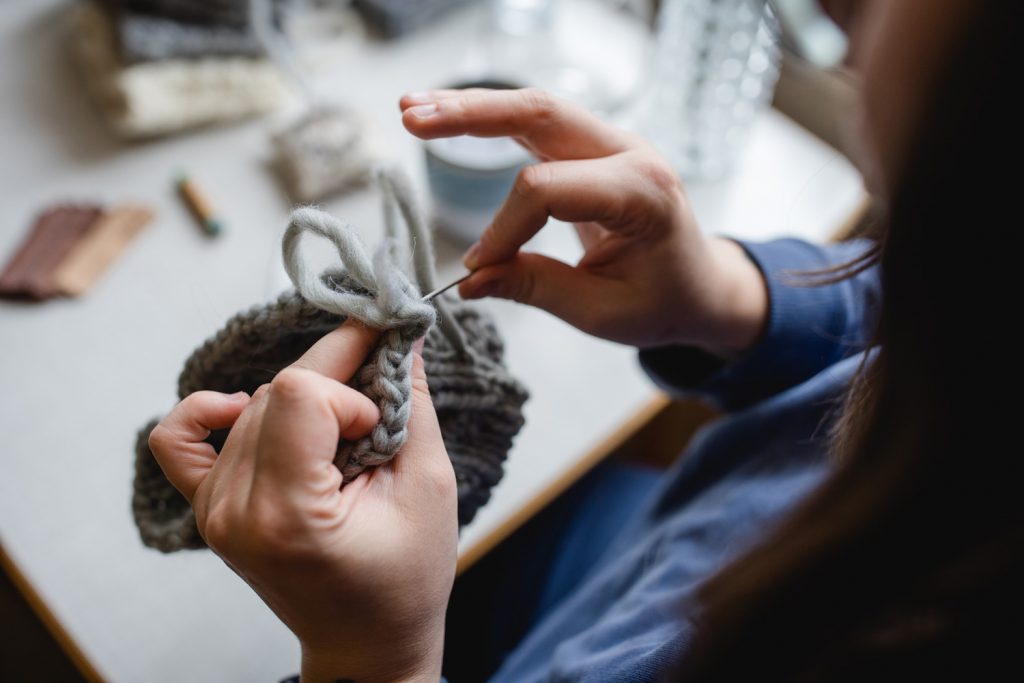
(441, 290)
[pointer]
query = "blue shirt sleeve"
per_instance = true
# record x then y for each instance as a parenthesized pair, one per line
(808, 329)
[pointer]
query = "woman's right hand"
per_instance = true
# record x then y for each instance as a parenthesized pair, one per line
(649, 276)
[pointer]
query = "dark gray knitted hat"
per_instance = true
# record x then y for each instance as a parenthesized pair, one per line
(479, 405)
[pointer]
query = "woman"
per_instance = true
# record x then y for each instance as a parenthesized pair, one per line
(757, 555)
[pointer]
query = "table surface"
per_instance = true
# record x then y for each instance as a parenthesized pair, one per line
(81, 377)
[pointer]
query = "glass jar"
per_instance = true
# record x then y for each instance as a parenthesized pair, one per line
(715, 68)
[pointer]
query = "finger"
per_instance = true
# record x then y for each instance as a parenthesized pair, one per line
(599, 190)
(231, 475)
(550, 127)
(178, 441)
(341, 352)
(422, 465)
(572, 294)
(307, 414)
(417, 98)
(236, 454)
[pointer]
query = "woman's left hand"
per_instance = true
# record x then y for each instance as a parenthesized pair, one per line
(360, 574)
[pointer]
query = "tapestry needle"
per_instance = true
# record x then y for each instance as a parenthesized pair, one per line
(442, 290)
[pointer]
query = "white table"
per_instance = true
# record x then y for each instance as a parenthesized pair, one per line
(79, 377)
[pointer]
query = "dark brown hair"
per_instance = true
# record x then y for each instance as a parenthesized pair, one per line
(907, 562)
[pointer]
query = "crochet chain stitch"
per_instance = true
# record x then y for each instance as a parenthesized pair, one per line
(377, 294)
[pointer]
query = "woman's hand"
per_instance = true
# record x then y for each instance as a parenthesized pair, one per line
(649, 276)
(362, 574)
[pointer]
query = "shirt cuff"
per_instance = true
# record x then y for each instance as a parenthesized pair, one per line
(803, 335)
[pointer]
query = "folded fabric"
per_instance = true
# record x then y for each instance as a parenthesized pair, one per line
(68, 249)
(144, 38)
(155, 98)
(478, 403)
(29, 273)
(223, 12)
(99, 248)
(324, 152)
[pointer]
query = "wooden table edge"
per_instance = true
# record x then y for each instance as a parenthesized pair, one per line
(49, 619)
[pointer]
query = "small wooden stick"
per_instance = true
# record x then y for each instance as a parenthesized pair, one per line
(200, 207)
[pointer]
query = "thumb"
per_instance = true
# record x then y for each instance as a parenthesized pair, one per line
(537, 280)
(423, 462)
(178, 442)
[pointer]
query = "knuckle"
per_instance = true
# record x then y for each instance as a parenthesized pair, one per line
(422, 404)
(273, 534)
(440, 477)
(656, 172)
(457, 108)
(530, 180)
(420, 385)
(492, 239)
(160, 439)
(291, 382)
(524, 286)
(265, 529)
(541, 104)
(215, 528)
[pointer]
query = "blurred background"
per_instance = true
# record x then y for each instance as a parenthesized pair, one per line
(153, 149)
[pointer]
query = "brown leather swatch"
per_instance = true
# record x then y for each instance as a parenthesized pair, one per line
(99, 248)
(54, 234)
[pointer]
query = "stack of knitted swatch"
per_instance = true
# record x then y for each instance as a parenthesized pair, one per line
(159, 66)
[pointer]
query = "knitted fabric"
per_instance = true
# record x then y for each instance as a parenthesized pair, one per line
(150, 30)
(221, 12)
(142, 38)
(325, 152)
(161, 97)
(478, 404)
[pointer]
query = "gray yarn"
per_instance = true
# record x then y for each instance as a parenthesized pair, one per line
(478, 404)
(381, 296)
(143, 38)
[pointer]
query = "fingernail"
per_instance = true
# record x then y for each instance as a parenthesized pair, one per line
(417, 346)
(471, 256)
(424, 111)
(420, 97)
(237, 396)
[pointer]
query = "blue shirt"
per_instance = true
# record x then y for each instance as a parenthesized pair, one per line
(626, 620)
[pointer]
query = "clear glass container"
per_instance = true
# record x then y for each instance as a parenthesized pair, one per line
(715, 67)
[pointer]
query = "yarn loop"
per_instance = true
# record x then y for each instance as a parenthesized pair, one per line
(376, 293)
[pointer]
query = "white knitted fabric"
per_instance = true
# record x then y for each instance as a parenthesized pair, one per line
(156, 98)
